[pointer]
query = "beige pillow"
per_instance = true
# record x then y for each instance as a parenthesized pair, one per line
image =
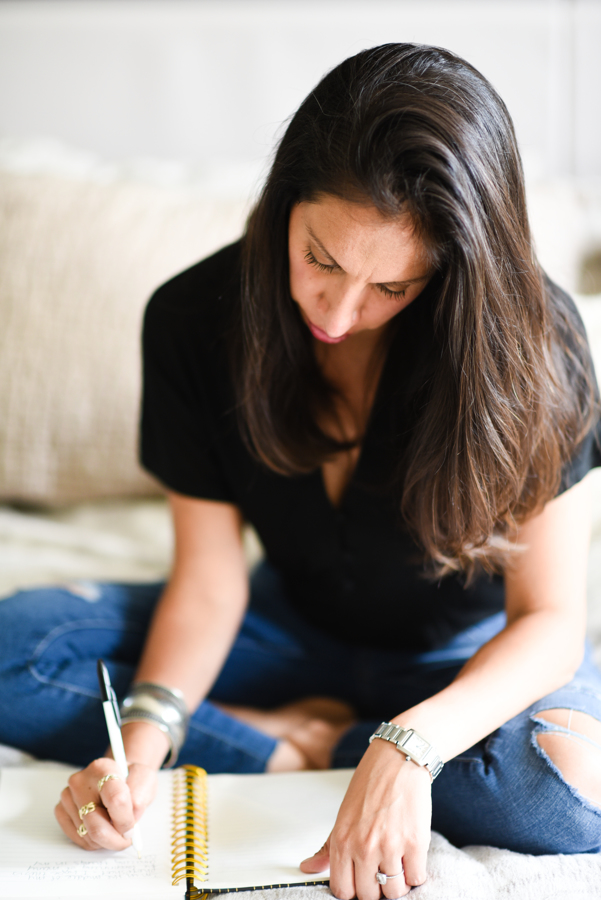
(78, 261)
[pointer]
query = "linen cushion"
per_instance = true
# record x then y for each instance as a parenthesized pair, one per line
(78, 261)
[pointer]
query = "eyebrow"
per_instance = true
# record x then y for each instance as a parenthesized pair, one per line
(314, 237)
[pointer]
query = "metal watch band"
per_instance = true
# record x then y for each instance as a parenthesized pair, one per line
(412, 745)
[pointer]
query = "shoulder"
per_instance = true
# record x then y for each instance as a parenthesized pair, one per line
(569, 331)
(186, 393)
(189, 323)
(570, 347)
(201, 296)
(579, 374)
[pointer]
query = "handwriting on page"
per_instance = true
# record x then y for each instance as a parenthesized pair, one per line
(86, 871)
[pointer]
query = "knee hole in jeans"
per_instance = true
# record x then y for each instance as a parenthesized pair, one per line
(574, 748)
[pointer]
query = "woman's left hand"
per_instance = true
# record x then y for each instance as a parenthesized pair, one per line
(383, 823)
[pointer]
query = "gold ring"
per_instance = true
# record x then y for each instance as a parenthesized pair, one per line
(88, 808)
(82, 830)
(106, 778)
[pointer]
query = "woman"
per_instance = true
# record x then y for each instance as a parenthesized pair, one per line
(382, 381)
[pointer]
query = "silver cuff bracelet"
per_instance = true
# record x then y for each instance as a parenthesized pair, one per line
(160, 706)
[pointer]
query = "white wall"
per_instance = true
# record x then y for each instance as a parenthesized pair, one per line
(214, 79)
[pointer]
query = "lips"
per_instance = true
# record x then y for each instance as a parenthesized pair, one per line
(323, 336)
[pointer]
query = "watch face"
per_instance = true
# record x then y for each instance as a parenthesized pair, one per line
(416, 746)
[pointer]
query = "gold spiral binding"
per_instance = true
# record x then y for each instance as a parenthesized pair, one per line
(189, 847)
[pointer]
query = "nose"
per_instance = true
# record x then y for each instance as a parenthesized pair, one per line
(340, 307)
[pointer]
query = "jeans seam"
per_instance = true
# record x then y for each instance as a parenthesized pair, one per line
(79, 625)
(65, 628)
(84, 692)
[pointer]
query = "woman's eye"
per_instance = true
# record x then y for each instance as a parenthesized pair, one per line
(315, 262)
(310, 258)
(388, 293)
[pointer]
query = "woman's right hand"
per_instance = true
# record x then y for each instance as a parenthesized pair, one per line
(118, 805)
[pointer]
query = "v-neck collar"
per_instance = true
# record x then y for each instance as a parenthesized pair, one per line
(379, 407)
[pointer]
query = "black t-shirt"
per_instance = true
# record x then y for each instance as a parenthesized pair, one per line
(352, 570)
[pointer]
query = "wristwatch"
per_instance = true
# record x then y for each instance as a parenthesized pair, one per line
(412, 745)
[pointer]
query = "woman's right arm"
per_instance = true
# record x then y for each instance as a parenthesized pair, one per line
(198, 615)
(191, 633)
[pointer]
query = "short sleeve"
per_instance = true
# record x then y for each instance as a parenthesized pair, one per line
(177, 423)
(587, 454)
(586, 457)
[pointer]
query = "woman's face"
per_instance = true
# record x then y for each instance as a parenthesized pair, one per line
(352, 269)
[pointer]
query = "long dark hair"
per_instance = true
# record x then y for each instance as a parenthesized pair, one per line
(509, 391)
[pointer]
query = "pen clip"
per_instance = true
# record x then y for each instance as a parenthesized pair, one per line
(115, 705)
(106, 689)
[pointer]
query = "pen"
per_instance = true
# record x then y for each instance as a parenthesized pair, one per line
(113, 723)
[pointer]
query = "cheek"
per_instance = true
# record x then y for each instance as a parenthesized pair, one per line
(296, 278)
(383, 311)
(386, 308)
(303, 287)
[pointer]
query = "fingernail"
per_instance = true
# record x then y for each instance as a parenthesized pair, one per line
(128, 834)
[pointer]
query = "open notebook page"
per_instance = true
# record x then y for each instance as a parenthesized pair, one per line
(37, 860)
(261, 827)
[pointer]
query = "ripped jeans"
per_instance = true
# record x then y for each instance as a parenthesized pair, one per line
(504, 791)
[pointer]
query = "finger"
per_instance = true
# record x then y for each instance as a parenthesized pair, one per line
(366, 884)
(415, 860)
(115, 797)
(99, 829)
(394, 887)
(319, 862)
(84, 784)
(142, 783)
(70, 829)
(83, 789)
(102, 832)
(70, 807)
(342, 871)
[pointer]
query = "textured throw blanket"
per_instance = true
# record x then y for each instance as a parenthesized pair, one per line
(483, 873)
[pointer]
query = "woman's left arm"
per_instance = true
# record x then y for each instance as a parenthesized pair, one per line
(384, 820)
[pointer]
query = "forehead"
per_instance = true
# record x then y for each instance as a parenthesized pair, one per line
(362, 241)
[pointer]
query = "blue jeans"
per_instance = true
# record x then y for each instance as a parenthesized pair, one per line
(504, 791)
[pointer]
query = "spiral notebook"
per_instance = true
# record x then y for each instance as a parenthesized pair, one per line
(203, 834)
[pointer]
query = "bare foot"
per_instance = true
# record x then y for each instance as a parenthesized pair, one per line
(316, 741)
(307, 730)
(282, 721)
(287, 758)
